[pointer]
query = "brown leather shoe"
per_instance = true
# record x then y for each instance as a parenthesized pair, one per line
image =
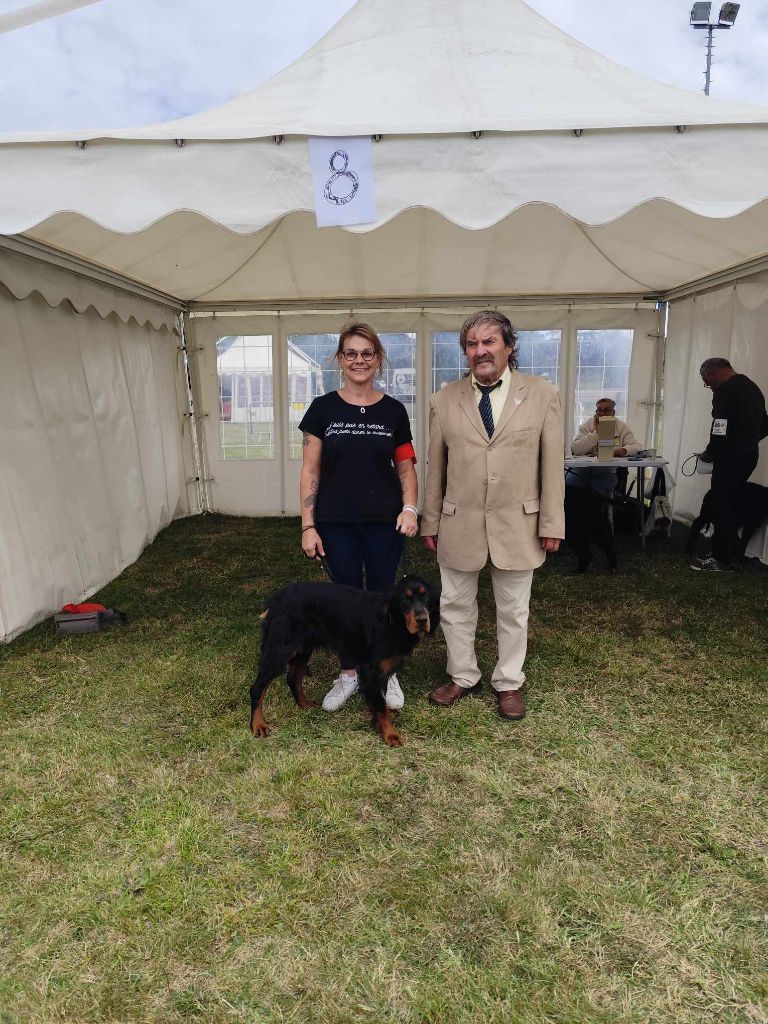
(450, 692)
(511, 704)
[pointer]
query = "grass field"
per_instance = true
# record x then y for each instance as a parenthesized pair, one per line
(602, 861)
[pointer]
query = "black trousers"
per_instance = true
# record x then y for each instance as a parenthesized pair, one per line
(729, 474)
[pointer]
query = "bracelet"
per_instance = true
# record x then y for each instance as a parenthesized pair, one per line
(310, 527)
(410, 508)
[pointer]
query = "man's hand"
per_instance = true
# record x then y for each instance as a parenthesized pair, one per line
(430, 543)
(705, 457)
(619, 453)
(548, 543)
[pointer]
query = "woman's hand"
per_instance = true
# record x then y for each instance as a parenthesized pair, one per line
(312, 544)
(407, 523)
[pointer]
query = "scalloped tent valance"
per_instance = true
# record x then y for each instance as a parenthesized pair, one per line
(22, 275)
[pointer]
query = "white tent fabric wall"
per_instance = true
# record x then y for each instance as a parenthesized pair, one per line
(95, 451)
(729, 322)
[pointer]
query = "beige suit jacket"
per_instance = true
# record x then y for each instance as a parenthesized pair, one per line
(494, 496)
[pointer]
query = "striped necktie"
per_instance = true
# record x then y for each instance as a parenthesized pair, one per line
(486, 413)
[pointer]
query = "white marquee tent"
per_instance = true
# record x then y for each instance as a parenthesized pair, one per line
(514, 167)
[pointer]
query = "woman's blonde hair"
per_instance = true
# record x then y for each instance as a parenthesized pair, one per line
(363, 331)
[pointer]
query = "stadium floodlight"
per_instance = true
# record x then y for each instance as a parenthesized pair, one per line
(727, 15)
(700, 15)
(700, 19)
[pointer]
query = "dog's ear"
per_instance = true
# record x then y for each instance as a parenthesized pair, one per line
(388, 608)
(391, 611)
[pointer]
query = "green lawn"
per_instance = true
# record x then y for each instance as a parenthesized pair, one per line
(602, 861)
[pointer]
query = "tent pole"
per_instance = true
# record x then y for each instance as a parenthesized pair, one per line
(661, 354)
(193, 393)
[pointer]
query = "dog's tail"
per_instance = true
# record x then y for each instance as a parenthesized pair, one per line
(264, 614)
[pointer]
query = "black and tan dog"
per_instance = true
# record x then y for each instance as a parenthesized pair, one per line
(371, 630)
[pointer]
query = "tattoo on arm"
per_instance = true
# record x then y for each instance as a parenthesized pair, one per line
(310, 500)
(305, 438)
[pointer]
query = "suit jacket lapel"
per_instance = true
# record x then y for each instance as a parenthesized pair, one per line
(468, 405)
(515, 397)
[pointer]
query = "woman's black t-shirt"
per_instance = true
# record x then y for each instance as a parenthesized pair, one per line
(358, 479)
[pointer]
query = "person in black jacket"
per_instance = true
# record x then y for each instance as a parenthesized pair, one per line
(739, 422)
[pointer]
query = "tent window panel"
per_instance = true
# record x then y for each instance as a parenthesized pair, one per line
(602, 371)
(538, 354)
(398, 377)
(313, 371)
(246, 410)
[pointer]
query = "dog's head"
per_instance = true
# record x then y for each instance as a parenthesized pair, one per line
(414, 602)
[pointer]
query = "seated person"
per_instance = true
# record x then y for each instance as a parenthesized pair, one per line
(600, 478)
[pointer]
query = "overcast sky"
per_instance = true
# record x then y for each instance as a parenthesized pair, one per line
(131, 62)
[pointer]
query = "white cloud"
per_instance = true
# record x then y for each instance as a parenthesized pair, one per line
(127, 62)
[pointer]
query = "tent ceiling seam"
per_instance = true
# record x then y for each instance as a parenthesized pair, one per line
(245, 263)
(608, 259)
(716, 280)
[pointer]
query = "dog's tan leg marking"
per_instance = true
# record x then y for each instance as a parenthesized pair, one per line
(389, 665)
(302, 700)
(386, 728)
(296, 684)
(259, 726)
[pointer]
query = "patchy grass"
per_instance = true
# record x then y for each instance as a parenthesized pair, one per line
(602, 861)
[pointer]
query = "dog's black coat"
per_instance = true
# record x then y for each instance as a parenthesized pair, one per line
(371, 630)
(751, 509)
(586, 520)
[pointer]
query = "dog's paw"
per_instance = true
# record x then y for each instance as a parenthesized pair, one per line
(393, 739)
(259, 727)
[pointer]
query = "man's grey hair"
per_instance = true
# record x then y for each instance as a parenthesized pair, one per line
(606, 399)
(715, 363)
(492, 318)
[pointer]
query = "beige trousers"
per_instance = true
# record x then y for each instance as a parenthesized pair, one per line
(458, 617)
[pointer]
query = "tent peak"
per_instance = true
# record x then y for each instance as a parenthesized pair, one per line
(424, 67)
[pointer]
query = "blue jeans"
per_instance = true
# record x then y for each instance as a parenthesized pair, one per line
(351, 548)
(602, 480)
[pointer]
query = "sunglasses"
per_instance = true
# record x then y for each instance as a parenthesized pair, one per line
(350, 355)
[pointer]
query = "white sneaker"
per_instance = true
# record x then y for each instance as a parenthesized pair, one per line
(339, 693)
(394, 698)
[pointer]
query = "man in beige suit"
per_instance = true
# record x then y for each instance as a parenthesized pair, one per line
(494, 490)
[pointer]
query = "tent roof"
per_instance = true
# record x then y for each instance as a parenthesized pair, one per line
(632, 206)
(438, 66)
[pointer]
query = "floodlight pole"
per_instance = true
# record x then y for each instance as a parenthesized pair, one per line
(700, 18)
(708, 72)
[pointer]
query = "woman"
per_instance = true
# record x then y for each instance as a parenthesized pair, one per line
(358, 484)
